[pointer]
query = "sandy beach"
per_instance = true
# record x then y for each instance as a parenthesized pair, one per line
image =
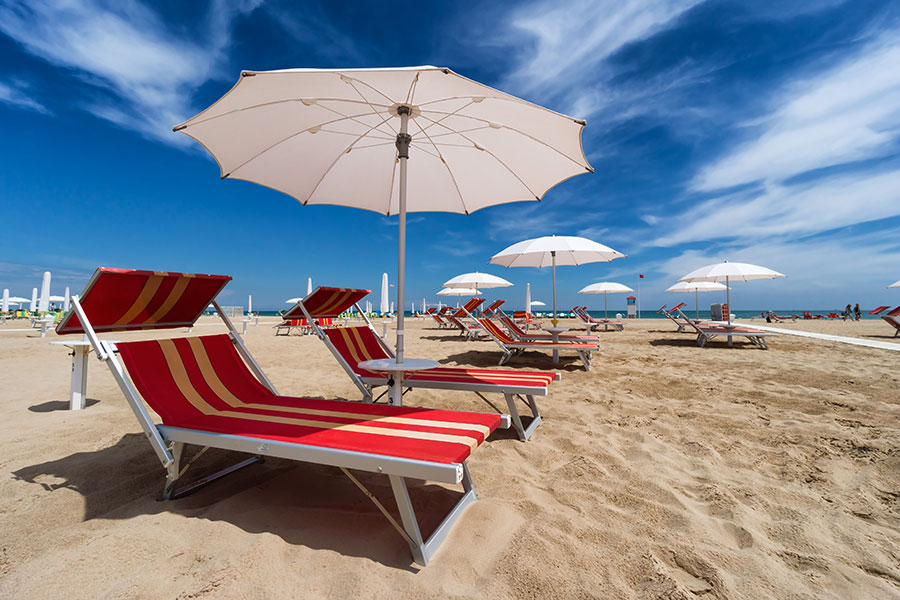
(668, 471)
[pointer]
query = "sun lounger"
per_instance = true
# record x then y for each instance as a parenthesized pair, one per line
(592, 323)
(464, 316)
(706, 332)
(526, 318)
(892, 318)
(513, 347)
(671, 314)
(438, 318)
(879, 310)
(523, 336)
(209, 392)
(353, 345)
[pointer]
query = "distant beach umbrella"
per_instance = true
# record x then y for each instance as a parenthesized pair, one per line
(471, 146)
(605, 288)
(896, 284)
(308, 286)
(385, 294)
(5, 303)
(44, 303)
(67, 300)
(447, 291)
(293, 300)
(34, 300)
(477, 281)
(728, 272)
(249, 304)
(528, 297)
(553, 250)
(697, 287)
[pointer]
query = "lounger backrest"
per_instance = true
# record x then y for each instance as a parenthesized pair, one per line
(494, 306)
(495, 331)
(510, 324)
(677, 306)
(878, 310)
(469, 307)
(355, 345)
(895, 312)
(182, 377)
(327, 302)
(126, 299)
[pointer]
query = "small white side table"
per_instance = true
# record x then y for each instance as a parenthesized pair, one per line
(390, 365)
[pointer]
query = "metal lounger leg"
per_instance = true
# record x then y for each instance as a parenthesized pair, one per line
(524, 434)
(423, 551)
(174, 472)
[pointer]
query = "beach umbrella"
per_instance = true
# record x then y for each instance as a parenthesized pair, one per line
(67, 300)
(528, 297)
(459, 292)
(354, 130)
(385, 293)
(537, 303)
(250, 304)
(728, 272)
(896, 284)
(308, 286)
(553, 250)
(293, 300)
(475, 281)
(696, 287)
(5, 303)
(17, 300)
(44, 302)
(605, 288)
(34, 300)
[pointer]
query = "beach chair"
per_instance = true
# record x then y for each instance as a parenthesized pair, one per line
(512, 347)
(892, 318)
(288, 325)
(442, 323)
(683, 327)
(526, 319)
(353, 345)
(523, 336)
(879, 310)
(209, 392)
(706, 332)
(592, 323)
(464, 318)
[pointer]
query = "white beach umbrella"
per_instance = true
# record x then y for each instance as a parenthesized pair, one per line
(308, 286)
(67, 300)
(385, 294)
(477, 281)
(4, 306)
(528, 297)
(896, 284)
(697, 287)
(53, 298)
(44, 302)
(354, 130)
(605, 288)
(17, 300)
(553, 250)
(293, 300)
(34, 300)
(537, 303)
(728, 272)
(459, 292)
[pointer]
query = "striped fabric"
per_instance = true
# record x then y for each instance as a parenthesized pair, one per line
(201, 383)
(125, 299)
(506, 340)
(469, 307)
(327, 302)
(358, 344)
(494, 306)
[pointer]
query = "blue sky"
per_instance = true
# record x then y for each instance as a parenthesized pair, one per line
(762, 132)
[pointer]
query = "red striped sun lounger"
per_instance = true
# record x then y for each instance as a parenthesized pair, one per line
(892, 318)
(592, 323)
(464, 316)
(706, 332)
(353, 345)
(513, 347)
(879, 310)
(209, 392)
(523, 336)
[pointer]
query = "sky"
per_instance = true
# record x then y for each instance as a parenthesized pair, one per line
(765, 132)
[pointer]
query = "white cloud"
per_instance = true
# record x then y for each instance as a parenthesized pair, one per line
(797, 210)
(14, 94)
(572, 40)
(148, 71)
(848, 113)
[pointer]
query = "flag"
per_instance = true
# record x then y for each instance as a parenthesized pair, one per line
(641, 276)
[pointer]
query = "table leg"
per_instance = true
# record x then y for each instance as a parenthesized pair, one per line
(78, 390)
(395, 396)
(555, 352)
(729, 341)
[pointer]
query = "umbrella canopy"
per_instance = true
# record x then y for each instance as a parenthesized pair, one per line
(537, 303)
(476, 281)
(459, 292)
(552, 250)
(18, 300)
(696, 287)
(293, 300)
(605, 287)
(728, 272)
(56, 298)
(472, 146)
(896, 284)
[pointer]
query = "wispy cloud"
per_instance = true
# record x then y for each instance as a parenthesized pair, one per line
(844, 114)
(142, 73)
(800, 209)
(16, 93)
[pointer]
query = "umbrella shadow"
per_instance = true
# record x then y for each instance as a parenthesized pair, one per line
(304, 504)
(692, 342)
(55, 405)
(525, 361)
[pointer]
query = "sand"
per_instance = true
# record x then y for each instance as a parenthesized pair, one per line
(668, 471)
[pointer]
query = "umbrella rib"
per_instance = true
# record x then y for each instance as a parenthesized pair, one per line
(447, 116)
(520, 132)
(372, 106)
(462, 200)
(505, 166)
(274, 102)
(291, 136)
(412, 88)
(347, 79)
(354, 118)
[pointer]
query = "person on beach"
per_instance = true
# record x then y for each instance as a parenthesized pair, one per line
(847, 313)
(857, 312)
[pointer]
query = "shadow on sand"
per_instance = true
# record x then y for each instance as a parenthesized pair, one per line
(527, 361)
(692, 343)
(304, 504)
(54, 405)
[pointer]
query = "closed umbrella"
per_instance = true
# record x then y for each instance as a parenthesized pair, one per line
(472, 146)
(696, 287)
(385, 294)
(44, 302)
(896, 284)
(308, 286)
(67, 300)
(728, 272)
(605, 288)
(34, 300)
(4, 306)
(553, 250)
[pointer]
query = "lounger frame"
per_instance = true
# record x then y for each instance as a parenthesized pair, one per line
(705, 334)
(516, 349)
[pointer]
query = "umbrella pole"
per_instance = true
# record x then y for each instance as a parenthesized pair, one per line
(728, 297)
(403, 140)
(697, 303)
(605, 311)
(553, 258)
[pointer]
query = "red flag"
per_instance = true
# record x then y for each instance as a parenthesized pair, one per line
(641, 276)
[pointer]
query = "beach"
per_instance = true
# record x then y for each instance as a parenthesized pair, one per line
(667, 471)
